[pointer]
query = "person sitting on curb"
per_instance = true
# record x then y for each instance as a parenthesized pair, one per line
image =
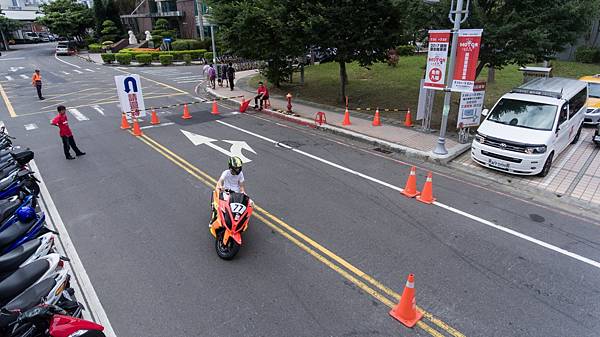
(263, 95)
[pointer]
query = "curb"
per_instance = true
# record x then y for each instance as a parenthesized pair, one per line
(401, 149)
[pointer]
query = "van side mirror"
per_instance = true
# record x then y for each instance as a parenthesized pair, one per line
(485, 112)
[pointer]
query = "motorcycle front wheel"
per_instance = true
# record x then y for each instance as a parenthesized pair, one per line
(228, 251)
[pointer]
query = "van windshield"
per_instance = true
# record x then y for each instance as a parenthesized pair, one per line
(594, 90)
(530, 115)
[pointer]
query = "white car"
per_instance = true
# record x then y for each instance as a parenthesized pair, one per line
(63, 49)
(530, 126)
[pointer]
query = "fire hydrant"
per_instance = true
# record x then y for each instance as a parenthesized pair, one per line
(289, 105)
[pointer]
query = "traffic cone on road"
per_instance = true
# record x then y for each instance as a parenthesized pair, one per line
(244, 105)
(406, 310)
(346, 118)
(427, 191)
(124, 124)
(408, 119)
(154, 119)
(376, 120)
(215, 108)
(410, 190)
(136, 128)
(186, 112)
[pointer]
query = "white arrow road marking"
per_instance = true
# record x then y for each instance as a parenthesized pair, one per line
(15, 69)
(64, 72)
(30, 127)
(99, 109)
(80, 117)
(24, 77)
(9, 78)
(235, 150)
(90, 70)
(78, 71)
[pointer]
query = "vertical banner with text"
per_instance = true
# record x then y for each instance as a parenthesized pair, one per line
(467, 56)
(471, 105)
(437, 57)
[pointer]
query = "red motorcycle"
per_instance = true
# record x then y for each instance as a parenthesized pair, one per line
(230, 214)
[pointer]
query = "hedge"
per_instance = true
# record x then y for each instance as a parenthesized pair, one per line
(177, 55)
(108, 58)
(405, 50)
(208, 56)
(95, 48)
(187, 58)
(166, 59)
(183, 44)
(587, 55)
(123, 58)
(144, 59)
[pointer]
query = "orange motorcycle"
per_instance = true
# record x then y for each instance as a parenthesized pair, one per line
(230, 214)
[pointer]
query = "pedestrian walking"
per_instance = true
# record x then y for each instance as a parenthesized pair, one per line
(205, 72)
(230, 75)
(65, 133)
(212, 75)
(36, 81)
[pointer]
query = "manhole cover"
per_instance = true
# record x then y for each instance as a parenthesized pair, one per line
(378, 149)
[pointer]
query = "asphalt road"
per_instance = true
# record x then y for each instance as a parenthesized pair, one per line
(333, 240)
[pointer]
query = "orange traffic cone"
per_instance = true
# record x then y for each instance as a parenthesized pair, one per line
(427, 192)
(376, 120)
(410, 190)
(154, 119)
(124, 124)
(136, 128)
(406, 310)
(186, 112)
(215, 108)
(407, 119)
(346, 118)
(244, 105)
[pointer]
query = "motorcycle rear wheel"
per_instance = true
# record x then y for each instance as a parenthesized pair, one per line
(228, 251)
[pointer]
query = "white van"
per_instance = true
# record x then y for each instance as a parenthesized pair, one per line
(530, 126)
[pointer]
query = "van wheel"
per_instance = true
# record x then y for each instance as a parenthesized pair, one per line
(576, 139)
(547, 166)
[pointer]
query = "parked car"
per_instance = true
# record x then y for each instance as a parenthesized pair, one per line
(530, 126)
(592, 115)
(31, 37)
(44, 37)
(64, 48)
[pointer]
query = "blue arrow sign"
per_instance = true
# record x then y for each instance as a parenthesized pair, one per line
(133, 82)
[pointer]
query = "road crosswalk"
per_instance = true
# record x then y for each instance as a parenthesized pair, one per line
(13, 77)
(177, 76)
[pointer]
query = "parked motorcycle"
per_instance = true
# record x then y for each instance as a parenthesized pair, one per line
(18, 181)
(230, 215)
(26, 253)
(8, 208)
(21, 232)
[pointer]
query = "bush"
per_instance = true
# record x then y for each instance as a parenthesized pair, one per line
(166, 59)
(95, 48)
(196, 55)
(108, 58)
(186, 44)
(144, 59)
(206, 44)
(208, 56)
(405, 50)
(587, 55)
(187, 58)
(123, 58)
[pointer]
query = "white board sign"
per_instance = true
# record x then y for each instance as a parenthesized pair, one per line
(471, 105)
(129, 90)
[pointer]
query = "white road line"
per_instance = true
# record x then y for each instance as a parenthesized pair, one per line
(189, 77)
(81, 277)
(190, 81)
(156, 126)
(24, 77)
(78, 71)
(99, 109)
(77, 114)
(31, 126)
(13, 58)
(65, 62)
(554, 248)
(8, 78)
(90, 70)
(64, 72)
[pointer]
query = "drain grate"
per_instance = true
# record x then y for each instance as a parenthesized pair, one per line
(378, 149)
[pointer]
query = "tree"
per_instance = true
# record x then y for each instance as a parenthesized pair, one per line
(66, 18)
(6, 26)
(112, 13)
(272, 30)
(355, 31)
(99, 15)
(109, 31)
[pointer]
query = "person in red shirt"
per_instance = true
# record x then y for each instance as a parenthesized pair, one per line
(65, 133)
(263, 95)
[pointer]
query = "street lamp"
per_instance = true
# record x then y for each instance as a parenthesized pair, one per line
(456, 17)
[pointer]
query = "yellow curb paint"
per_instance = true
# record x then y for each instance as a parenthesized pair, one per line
(7, 102)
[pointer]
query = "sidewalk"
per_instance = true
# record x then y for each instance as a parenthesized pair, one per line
(389, 135)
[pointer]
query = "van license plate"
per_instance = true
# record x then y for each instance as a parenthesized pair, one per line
(497, 164)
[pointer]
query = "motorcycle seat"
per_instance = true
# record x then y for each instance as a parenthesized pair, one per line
(8, 207)
(22, 278)
(13, 259)
(6, 183)
(14, 231)
(33, 296)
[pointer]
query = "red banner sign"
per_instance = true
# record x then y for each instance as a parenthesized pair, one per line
(437, 57)
(467, 56)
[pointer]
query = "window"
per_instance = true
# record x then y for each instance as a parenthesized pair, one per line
(594, 90)
(564, 114)
(577, 102)
(524, 114)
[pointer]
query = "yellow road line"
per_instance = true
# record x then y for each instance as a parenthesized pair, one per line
(7, 102)
(157, 82)
(210, 182)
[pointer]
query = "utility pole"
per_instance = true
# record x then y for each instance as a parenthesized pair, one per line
(200, 10)
(456, 17)
(214, 47)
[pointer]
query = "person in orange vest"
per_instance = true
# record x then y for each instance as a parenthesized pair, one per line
(36, 81)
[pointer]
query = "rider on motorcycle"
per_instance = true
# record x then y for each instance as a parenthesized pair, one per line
(233, 178)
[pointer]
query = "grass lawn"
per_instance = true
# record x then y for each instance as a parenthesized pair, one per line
(388, 87)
